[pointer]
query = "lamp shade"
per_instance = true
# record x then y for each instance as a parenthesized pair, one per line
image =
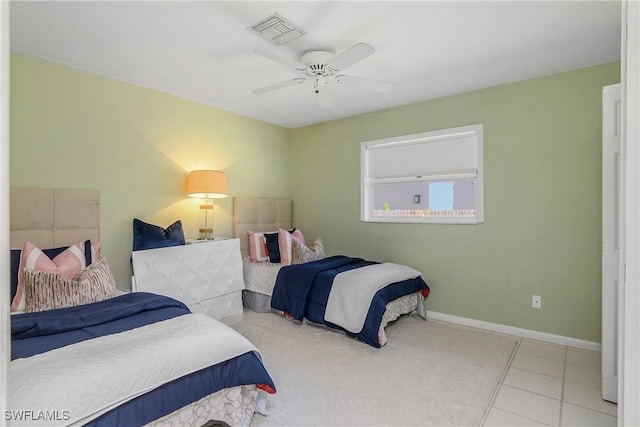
(207, 184)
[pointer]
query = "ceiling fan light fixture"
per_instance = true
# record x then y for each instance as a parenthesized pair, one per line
(321, 65)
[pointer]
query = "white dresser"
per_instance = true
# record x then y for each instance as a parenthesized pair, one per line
(206, 276)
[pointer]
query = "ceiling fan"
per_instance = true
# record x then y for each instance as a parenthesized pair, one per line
(322, 66)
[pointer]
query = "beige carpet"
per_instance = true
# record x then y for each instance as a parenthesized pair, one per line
(428, 374)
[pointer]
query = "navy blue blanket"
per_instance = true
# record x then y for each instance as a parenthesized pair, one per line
(302, 291)
(34, 333)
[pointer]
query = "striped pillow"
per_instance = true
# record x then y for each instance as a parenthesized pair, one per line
(258, 247)
(68, 263)
(285, 243)
(46, 290)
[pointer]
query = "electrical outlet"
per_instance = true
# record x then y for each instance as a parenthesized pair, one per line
(536, 301)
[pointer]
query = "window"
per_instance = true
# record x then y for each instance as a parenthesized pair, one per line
(432, 177)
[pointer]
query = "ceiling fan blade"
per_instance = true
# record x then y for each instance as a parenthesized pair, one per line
(324, 98)
(366, 84)
(277, 86)
(355, 53)
(281, 59)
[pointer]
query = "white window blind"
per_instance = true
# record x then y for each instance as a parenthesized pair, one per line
(432, 176)
(424, 157)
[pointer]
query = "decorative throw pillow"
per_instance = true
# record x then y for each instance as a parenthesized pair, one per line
(257, 247)
(95, 251)
(92, 253)
(45, 290)
(68, 262)
(149, 236)
(273, 245)
(15, 266)
(302, 253)
(273, 249)
(285, 239)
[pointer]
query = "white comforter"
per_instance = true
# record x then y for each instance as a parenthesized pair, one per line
(353, 290)
(79, 382)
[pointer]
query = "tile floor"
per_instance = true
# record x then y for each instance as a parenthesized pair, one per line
(551, 385)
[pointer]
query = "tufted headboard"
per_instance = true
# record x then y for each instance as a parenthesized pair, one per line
(52, 218)
(259, 214)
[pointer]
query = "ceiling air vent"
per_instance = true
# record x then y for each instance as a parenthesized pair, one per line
(277, 30)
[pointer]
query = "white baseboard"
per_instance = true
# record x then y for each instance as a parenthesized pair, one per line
(511, 330)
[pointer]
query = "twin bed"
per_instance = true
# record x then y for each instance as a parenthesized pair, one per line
(131, 359)
(103, 357)
(323, 291)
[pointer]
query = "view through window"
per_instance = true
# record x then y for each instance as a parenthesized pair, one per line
(428, 177)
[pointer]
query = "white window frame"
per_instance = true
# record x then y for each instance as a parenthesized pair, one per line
(443, 135)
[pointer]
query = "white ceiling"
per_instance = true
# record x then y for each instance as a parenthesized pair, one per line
(203, 51)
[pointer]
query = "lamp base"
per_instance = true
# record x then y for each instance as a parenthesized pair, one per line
(206, 233)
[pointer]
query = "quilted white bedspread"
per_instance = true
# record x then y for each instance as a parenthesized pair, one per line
(84, 380)
(353, 290)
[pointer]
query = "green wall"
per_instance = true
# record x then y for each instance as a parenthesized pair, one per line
(71, 129)
(541, 235)
(542, 201)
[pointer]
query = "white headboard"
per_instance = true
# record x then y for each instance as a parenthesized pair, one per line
(259, 214)
(52, 218)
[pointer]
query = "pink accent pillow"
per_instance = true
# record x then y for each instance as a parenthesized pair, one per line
(95, 251)
(67, 264)
(285, 244)
(47, 291)
(258, 247)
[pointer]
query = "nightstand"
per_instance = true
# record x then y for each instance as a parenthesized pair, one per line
(206, 276)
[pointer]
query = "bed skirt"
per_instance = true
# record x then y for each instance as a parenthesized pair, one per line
(406, 305)
(232, 406)
(255, 301)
